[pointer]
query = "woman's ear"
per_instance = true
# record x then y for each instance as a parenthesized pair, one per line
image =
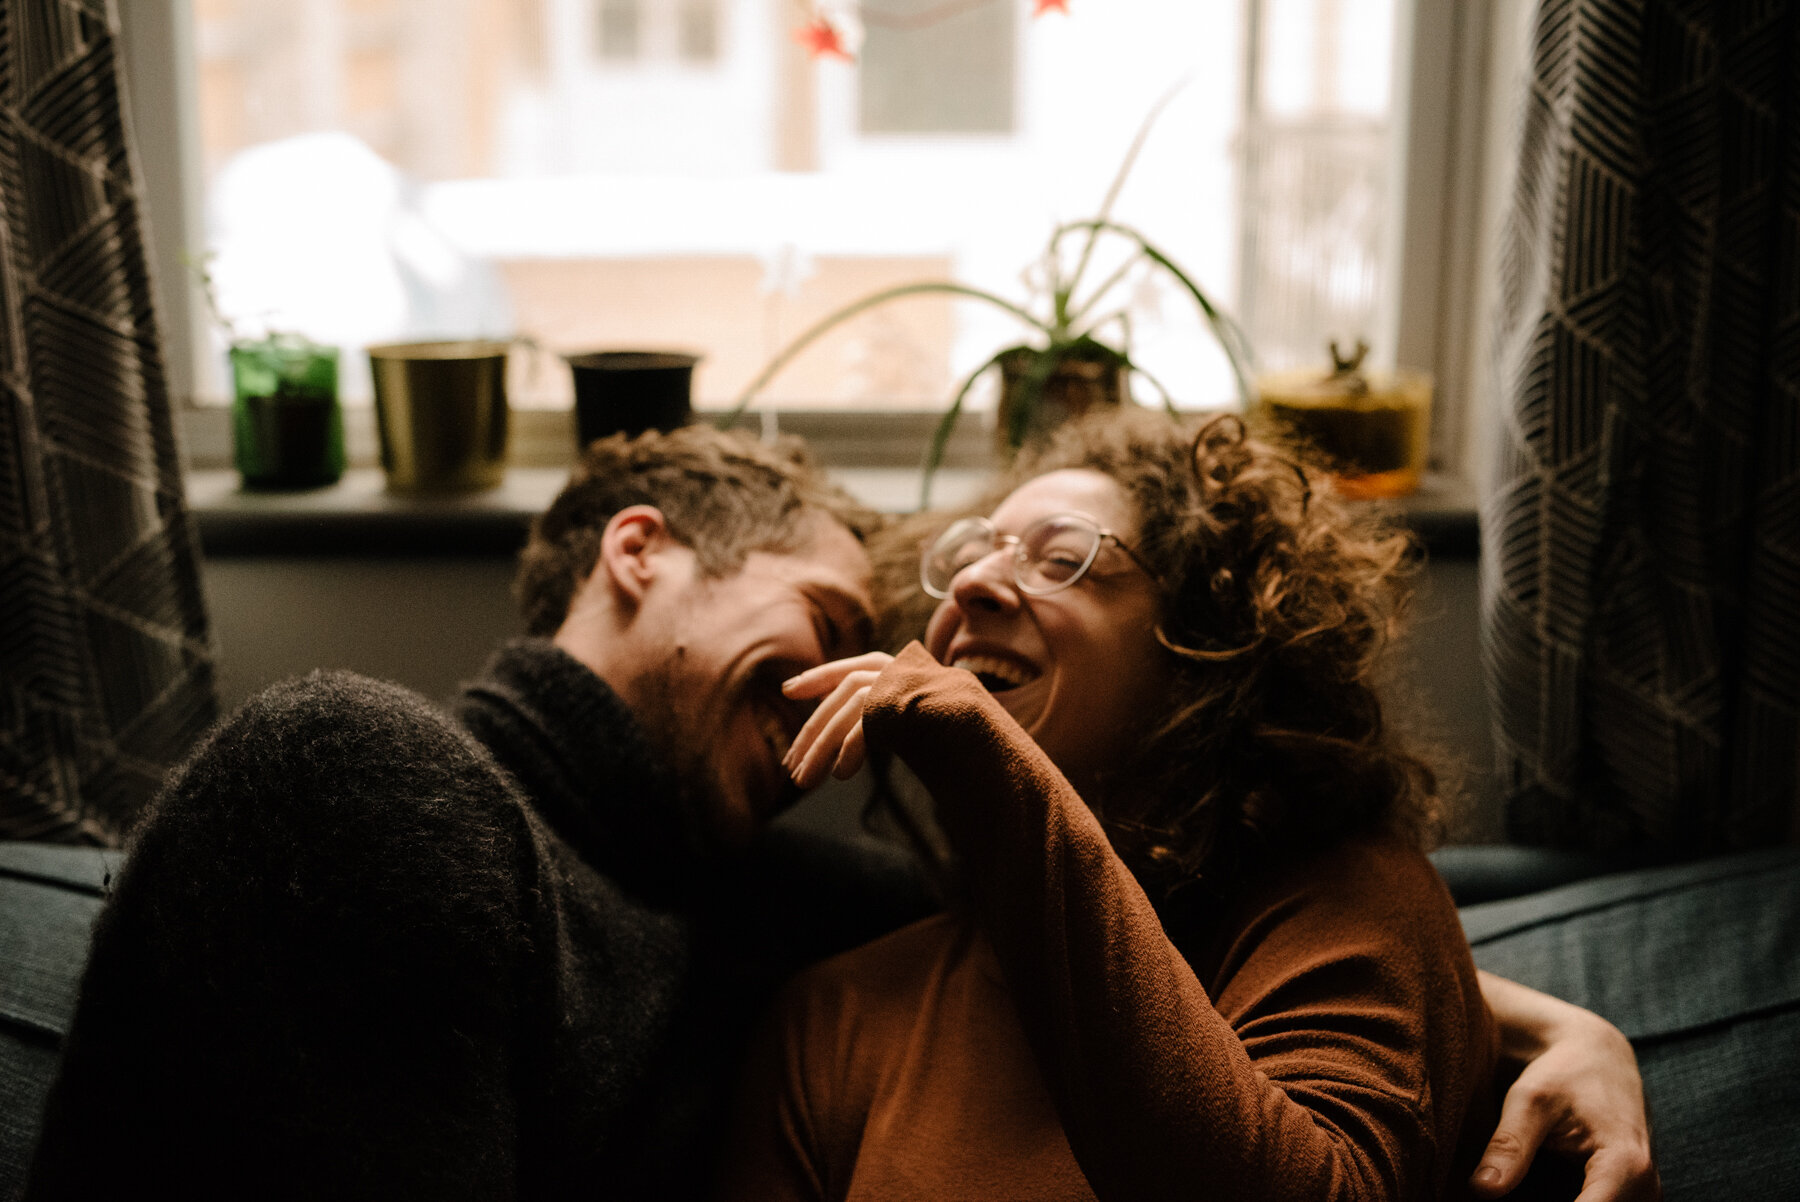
(628, 553)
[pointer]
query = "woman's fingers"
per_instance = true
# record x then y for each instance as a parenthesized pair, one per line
(831, 728)
(851, 757)
(816, 722)
(837, 683)
(816, 682)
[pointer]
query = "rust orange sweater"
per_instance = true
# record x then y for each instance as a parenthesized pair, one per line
(1318, 1035)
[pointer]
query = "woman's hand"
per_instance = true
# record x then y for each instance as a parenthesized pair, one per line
(832, 739)
(1579, 1094)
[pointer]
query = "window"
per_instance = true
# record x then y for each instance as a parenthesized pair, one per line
(617, 29)
(699, 31)
(629, 32)
(373, 170)
(931, 69)
(1316, 177)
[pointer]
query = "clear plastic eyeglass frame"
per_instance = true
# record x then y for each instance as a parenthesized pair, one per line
(1052, 554)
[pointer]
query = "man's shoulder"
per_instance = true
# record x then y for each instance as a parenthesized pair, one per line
(335, 698)
(337, 722)
(332, 751)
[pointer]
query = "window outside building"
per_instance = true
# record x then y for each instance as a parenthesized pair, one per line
(681, 174)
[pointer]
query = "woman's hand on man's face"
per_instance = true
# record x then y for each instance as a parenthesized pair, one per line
(832, 738)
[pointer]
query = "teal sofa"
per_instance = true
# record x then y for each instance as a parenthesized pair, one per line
(1698, 963)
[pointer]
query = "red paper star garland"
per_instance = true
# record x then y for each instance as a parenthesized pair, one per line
(821, 39)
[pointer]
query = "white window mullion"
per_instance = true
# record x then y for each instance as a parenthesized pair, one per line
(160, 68)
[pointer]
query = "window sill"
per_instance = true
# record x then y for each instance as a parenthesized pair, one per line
(358, 516)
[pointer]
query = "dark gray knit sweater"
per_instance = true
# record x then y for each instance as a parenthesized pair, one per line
(362, 950)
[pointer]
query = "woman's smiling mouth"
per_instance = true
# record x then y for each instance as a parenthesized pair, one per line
(997, 675)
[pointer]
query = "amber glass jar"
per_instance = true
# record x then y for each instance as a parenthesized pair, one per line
(1372, 429)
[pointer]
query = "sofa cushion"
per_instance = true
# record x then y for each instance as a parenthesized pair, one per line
(1699, 964)
(1485, 872)
(49, 897)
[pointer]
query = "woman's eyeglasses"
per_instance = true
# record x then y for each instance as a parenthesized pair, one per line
(1048, 557)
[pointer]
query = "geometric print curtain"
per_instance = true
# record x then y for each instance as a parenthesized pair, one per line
(105, 668)
(1640, 618)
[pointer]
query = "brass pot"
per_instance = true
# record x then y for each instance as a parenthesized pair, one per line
(440, 408)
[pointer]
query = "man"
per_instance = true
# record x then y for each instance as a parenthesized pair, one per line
(360, 949)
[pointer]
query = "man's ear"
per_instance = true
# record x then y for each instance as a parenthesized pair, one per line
(628, 549)
(609, 599)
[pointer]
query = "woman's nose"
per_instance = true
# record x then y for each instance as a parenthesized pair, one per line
(987, 582)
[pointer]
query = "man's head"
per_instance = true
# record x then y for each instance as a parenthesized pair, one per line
(694, 572)
(722, 495)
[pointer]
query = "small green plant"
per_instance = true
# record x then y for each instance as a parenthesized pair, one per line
(287, 359)
(1067, 322)
(287, 428)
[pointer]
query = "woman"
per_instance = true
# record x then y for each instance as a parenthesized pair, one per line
(1200, 951)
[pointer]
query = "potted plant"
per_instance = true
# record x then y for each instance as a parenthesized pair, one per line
(287, 427)
(1077, 352)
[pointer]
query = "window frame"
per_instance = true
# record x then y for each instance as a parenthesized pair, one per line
(1457, 67)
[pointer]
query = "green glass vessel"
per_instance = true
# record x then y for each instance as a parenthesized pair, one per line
(286, 424)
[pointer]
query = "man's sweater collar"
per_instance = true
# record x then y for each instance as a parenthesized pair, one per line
(582, 760)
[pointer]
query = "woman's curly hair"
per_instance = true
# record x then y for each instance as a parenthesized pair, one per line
(1278, 601)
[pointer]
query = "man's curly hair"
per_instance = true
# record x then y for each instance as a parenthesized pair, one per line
(1278, 602)
(723, 495)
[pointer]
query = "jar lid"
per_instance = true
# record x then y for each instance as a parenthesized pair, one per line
(1345, 385)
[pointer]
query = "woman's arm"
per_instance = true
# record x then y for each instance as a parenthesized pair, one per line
(1579, 1093)
(1306, 1078)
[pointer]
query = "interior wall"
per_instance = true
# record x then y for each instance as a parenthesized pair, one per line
(430, 623)
(424, 623)
(1438, 697)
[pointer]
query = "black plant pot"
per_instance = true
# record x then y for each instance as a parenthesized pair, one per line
(629, 392)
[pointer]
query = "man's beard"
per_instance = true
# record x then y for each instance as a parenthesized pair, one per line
(673, 731)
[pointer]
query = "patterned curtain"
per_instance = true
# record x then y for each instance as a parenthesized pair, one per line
(105, 669)
(1641, 554)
